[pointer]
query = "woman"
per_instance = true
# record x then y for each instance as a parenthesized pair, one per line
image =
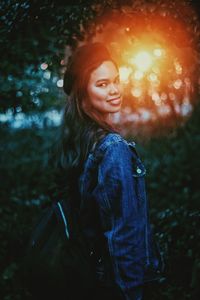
(105, 173)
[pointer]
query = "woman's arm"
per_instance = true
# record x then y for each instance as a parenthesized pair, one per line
(117, 198)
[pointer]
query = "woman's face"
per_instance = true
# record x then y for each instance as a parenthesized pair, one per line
(104, 90)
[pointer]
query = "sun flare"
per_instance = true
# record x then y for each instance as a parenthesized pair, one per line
(143, 61)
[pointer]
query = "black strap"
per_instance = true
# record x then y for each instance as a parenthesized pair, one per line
(61, 217)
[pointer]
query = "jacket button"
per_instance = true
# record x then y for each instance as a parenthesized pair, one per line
(139, 170)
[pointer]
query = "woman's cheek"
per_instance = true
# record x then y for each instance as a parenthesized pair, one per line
(121, 89)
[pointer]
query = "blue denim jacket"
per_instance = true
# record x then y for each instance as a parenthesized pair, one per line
(113, 184)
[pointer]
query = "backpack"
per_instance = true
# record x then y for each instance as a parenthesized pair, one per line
(58, 260)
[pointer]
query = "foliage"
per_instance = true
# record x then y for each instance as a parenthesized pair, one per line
(172, 165)
(33, 33)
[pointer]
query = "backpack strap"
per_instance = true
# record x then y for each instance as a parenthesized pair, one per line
(61, 217)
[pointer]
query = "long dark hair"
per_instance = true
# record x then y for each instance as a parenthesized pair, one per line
(80, 130)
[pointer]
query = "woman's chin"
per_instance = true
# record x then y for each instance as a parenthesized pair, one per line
(115, 109)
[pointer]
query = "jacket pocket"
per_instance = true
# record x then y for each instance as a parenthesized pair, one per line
(138, 175)
(139, 169)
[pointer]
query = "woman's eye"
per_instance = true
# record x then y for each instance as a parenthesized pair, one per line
(103, 84)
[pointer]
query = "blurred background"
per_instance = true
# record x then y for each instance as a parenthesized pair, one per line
(157, 47)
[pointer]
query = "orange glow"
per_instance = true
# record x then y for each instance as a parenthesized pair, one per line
(178, 83)
(156, 59)
(163, 96)
(153, 77)
(156, 70)
(178, 68)
(172, 96)
(155, 97)
(124, 73)
(138, 75)
(136, 92)
(143, 60)
(158, 52)
(164, 110)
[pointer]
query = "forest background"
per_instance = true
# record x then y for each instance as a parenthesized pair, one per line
(36, 40)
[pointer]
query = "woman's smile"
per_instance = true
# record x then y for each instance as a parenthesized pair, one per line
(115, 101)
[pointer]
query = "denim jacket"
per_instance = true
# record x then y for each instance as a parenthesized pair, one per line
(112, 187)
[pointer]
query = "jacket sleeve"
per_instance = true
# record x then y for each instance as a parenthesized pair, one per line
(119, 203)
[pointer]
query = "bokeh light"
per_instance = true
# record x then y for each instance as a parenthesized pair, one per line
(142, 60)
(124, 73)
(44, 66)
(138, 75)
(158, 52)
(59, 83)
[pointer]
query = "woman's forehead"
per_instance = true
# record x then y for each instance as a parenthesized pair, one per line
(105, 70)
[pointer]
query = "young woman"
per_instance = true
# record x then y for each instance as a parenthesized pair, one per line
(106, 174)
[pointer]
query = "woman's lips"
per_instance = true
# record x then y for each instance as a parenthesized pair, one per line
(115, 101)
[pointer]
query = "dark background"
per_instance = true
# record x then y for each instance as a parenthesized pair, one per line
(33, 33)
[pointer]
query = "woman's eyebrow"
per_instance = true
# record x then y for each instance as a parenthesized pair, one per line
(107, 79)
(102, 79)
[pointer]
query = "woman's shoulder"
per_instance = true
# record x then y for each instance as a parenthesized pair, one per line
(110, 140)
(112, 145)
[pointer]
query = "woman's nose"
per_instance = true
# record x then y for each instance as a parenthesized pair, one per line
(114, 89)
